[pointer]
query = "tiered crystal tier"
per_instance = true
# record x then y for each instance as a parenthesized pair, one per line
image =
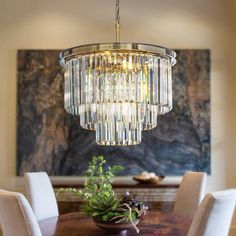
(118, 93)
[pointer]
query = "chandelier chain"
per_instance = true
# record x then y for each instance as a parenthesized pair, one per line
(117, 11)
(117, 25)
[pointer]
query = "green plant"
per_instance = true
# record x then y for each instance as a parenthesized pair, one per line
(100, 199)
(98, 194)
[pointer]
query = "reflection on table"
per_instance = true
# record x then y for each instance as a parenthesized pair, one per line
(154, 223)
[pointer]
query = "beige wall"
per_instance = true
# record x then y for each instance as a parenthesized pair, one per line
(26, 24)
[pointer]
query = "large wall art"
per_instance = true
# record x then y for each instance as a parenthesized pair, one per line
(49, 139)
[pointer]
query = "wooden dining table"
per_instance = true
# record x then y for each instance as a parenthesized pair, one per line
(153, 223)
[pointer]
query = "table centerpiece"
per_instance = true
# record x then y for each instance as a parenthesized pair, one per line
(107, 210)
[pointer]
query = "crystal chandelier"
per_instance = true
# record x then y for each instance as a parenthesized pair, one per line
(118, 89)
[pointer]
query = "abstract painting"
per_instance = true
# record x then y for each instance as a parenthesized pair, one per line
(49, 139)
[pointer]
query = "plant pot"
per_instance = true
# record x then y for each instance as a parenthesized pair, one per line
(107, 225)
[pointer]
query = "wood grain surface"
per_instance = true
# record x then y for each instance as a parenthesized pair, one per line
(154, 223)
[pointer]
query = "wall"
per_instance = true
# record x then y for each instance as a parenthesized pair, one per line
(46, 24)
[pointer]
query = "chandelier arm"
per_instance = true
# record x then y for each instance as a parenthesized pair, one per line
(117, 16)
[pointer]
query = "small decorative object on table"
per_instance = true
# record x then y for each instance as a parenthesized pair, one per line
(148, 178)
(106, 209)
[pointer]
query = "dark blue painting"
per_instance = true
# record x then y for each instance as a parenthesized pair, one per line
(49, 139)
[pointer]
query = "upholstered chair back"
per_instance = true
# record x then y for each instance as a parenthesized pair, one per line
(214, 215)
(16, 215)
(41, 195)
(190, 193)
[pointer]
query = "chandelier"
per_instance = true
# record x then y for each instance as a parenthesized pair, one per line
(118, 89)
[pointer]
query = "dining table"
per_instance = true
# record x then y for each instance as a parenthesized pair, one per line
(153, 223)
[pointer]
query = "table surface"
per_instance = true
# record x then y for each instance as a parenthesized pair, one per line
(154, 223)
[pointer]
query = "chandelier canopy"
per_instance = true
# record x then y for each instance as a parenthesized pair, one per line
(118, 89)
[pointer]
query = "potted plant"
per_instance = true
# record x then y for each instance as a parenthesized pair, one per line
(100, 202)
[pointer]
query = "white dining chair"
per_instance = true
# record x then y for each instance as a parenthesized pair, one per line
(1, 190)
(190, 193)
(41, 195)
(16, 215)
(214, 215)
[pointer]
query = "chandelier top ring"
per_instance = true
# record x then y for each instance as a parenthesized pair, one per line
(117, 46)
